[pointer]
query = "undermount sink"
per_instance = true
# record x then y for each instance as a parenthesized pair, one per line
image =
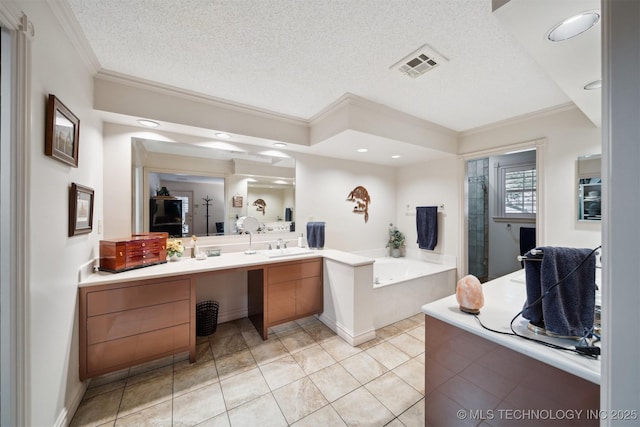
(274, 253)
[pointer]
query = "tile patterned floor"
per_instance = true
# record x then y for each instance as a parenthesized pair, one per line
(303, 375)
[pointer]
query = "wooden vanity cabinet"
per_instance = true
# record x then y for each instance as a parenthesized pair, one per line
(125, 324)
(284, 292)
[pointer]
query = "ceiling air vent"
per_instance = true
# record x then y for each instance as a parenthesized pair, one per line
(419, 62)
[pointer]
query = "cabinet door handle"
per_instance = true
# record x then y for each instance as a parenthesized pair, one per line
(120, 253)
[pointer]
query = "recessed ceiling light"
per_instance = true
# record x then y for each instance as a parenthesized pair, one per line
(573, 26)
(596, 84)
(223, 135)
(148, 123)
(362, 150)
(279, 144)
(396, 156)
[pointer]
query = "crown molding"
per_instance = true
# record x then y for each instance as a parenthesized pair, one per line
(349, 99)
(164, 89)
(10, 15)
(519, 119)
(67, 20)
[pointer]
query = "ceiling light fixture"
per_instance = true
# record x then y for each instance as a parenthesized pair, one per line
(396, 156)
(279, 144)
(596, 84)
(362, 150)
(223, 135)
(573, 26)
(148, 123)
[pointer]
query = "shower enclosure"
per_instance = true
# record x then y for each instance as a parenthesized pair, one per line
(478, 221)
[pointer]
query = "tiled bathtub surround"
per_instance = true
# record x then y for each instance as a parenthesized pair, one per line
(303, 375)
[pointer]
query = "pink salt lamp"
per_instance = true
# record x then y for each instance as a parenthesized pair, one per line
(469, 294)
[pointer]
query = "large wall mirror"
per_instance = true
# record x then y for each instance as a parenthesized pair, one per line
(202, 189)
(589, 188)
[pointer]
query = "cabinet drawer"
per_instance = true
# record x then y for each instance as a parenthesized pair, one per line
(125, 351)
(131, 322)
(114, 300)
(295, 271)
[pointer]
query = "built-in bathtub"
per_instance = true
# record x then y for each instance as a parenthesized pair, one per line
(355, 305)
(401, 286)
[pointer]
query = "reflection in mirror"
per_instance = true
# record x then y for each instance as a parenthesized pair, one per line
(589, 188)
(203, 189)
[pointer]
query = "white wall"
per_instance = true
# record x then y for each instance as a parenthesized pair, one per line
(322, 187)
(428, 184)
(54, 258)
(569, 134)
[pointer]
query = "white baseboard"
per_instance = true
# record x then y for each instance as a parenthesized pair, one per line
(228, 315)
(65, 417)
(347, 335)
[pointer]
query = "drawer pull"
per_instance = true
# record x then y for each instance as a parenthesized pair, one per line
(120, 253)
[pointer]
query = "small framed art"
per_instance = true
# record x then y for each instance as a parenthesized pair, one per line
(62, 133)
(80, 209)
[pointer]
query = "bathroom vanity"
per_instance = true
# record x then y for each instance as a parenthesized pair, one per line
(474, 375)
(140, 315)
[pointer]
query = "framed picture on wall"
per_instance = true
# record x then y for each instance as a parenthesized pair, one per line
(237, 201)
(62, 133)
(80, 209)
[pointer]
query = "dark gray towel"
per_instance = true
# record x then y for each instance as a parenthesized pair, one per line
(570, 308)
(427, 226)
(315, 234)
(534, 290)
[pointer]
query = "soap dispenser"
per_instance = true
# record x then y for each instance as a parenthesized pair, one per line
(301, 240)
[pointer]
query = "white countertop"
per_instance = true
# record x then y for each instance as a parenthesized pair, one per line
(503, 299)
(226, 261)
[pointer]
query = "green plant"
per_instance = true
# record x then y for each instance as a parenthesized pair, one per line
(396, 238)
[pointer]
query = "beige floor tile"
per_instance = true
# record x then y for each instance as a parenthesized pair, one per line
(221, 420)
(417, 333)
(109, 378)
(193, 377)
(338, 348)
(320, 332)
(388, 355)
(282, 372)
(334, 382)
(414, 416)
(409, 323)
(363, 367)
(98, 410)
(94, 391)
(286, 328)
(395, 423)
(263, 411)
(227, 344)
(299, 399)
(243, 388)
(225, 329)
(313, 359)
(325, 416)
(387, 332)
(268, 351)
(165, 371)
(395, 394)
(412, 372)
(297, 341)
(360, 408)
(420, 358)
(144, 394)
(368, 344)
(157, 415)
(244, 324)
(197, 406)
(408, 344)
(234, 364)
(253, 338)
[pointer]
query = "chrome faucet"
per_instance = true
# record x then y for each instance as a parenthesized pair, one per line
(279, 244)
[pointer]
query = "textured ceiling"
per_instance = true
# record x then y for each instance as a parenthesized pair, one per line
(297, 56)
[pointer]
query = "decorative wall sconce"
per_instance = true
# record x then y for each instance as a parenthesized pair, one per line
(360, 196)
(261, 206)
